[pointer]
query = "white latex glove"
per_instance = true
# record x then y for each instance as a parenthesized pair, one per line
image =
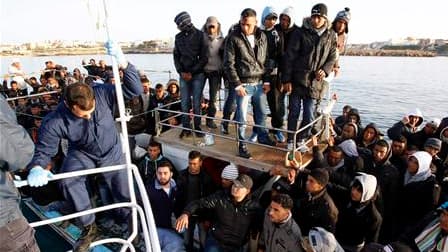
(39, 176)
(113, 49)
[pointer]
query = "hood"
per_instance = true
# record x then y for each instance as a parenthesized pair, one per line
(289, 11)
(323, 241)
(355, 112)
(268, 10)
(349, 148)
(368, 183)
(211, 21)
(173, 82)
(374, 127)
(442, 137)
(424, 162)
(418, 113)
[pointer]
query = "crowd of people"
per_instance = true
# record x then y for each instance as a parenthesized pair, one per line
(365, 192)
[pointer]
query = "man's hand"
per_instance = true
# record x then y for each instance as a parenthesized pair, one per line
(287, 87)
(320, 75)
(39, 176)
(182, 223)
(186, 76)
(113, 49)
(405, 120)
(241, 92)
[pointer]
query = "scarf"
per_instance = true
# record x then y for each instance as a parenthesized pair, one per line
(431, 239)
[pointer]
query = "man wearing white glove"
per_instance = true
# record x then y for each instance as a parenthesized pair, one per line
(85, 119)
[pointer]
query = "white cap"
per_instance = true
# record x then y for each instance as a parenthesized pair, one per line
(230, 172)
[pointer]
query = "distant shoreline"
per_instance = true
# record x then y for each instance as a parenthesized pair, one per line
(100, 50)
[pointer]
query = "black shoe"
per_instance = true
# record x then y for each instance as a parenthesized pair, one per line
(185, 133)
(266, 140)
(224, 129)
(243, 152)
(211, 124)
(88, 235)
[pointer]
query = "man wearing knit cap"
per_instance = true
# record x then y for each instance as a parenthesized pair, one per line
(340, 26)
(190, 57)
(228, 174)
(317, 209)
(304, 72)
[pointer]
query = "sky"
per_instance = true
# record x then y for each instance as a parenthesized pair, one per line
(130, 20)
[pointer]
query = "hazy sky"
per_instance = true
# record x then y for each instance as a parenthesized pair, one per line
(373, 20)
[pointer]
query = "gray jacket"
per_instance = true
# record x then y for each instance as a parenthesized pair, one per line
(282, 237)
(16, 149)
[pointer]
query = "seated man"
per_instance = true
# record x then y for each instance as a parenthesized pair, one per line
(149, 163)
(86, 119)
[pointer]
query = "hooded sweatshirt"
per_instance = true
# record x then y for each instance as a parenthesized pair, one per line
(400, 128)
(424, 162)
(323, 241)
(360, 222)
(268, 10)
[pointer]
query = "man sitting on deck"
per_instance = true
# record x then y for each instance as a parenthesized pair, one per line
(85, 119)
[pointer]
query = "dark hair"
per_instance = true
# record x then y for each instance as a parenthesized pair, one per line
(159, 86)
(335, 149)
(79, 94)
(13, 82)
(165, 164)
(401, 139)
(154, 144)
(347, 107)
(357, 185)
(194, 155)
(284, 200)
(248, 12)
(144, 80)
(382, 143)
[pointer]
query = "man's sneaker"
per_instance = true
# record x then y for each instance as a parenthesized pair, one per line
(279, 137)
(224, 129)
(211, 124)
(290, 145)
(301, 146)
(243, 152)
(88, 235)
(266, 140)
(253, 138)
(185, 133)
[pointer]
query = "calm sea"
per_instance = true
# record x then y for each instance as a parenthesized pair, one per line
(382, 88)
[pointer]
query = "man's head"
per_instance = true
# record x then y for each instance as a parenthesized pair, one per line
(146, 84)
(14, 85)
(194, 162)
(160, 91)
(280, 208)
(433, 146)
(317, 180)
(345, 110)
(399, 146)
(340, 23)
(80, 99)
(349, 131)
(164, 173)
(248, 21)
(212, 26)
(228, 174)
(443, 209)
(154, 149)
(380, 151)
(334, 155)
(269, 17)
(431, 126)
(319, 15)
(241, 187)
(183, 21)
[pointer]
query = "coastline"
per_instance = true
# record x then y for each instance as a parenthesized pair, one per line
(100, 50)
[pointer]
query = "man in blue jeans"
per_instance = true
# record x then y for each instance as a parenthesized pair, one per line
(190, 57)
(310, 57)
(244, 64)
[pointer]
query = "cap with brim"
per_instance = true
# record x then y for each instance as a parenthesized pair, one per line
(243, 181)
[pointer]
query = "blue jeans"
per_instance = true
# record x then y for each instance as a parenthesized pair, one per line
(189, 89)
(228, 105)
(170, 241)
(214, 83)
(257, 97)
(295, 103)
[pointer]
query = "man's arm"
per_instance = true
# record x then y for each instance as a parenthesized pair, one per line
(331, 58)
(229, 62)
(176, 57)
(16, 146)
(203, 54)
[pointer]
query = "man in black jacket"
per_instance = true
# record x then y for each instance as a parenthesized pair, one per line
(190, 57)
(245, 56)
(235, 214)
(309, 58)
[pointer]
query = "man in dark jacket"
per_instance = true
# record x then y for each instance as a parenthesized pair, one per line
(235, 214)
(152, 159)
(190, 57)
(244, 64)
(85, 119)
(317, 209)
(309, 58)
(194, 183)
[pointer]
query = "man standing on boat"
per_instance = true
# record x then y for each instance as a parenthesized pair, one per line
(190, 57)
(310, 57)
(16, 148)
(244, 64)
(86, 119)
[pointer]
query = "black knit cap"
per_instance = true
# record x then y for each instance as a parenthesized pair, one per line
(320, 175)
(182, 19)
(319, 9)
